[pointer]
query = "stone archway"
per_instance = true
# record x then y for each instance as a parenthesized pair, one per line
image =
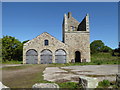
(77, 56)
(60, 56)
(46, 57)
(31, 57)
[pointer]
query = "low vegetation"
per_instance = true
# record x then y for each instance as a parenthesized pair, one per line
(12, 62)
(107, 84)
(104, 83)
(71, 85)
(104, 58)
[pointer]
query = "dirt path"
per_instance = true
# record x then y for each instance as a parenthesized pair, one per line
(22, 77)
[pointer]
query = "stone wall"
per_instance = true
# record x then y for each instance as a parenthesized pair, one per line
(78, 41)
(78, 38)
(38, 45)
(84, 25)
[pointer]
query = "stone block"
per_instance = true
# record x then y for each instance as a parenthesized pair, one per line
(3, 87)
(118, 79)
(45, 85)
(88, 82)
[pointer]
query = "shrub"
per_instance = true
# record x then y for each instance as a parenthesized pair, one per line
(104, 83)
(69, 85)
(98, 63)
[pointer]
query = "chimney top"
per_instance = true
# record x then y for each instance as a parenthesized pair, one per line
(69, 14)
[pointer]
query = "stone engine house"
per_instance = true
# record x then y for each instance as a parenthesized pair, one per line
(75, 47)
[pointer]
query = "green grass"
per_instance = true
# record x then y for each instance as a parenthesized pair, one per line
(106, 84)
(71, 85)
(104, 58)
(12, 62)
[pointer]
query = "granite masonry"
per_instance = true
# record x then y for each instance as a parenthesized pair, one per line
(75, 47)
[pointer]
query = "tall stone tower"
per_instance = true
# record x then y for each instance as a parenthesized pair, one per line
(76, 36)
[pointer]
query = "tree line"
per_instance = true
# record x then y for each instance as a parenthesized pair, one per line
(12, 48)
(98, 46)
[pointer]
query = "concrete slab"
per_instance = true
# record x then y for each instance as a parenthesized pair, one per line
(72, 73)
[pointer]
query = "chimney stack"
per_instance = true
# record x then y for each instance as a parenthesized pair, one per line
(69, 14)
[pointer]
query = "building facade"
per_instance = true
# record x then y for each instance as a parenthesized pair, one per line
(75, 47)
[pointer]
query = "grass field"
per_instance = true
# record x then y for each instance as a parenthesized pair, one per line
(104, 58)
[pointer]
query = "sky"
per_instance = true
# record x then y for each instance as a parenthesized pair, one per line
(27, 20)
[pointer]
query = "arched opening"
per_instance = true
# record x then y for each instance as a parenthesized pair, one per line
(46, 57)
(60, 56)
(77, 56)
(31, 57)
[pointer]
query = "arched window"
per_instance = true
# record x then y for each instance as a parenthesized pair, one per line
(46, 42)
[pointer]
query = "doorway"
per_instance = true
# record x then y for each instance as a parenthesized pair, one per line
(31, 57)
(46, 57)
(77, 56)
(60, 56)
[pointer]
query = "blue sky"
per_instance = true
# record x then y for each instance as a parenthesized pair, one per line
(26, 21)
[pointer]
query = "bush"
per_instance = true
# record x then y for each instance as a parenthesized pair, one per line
(104, 83)
(69, 85)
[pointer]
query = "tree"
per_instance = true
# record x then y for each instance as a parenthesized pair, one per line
(106, 49)
(116, 52)
(25, 41)
(11, 48)
(98, 46)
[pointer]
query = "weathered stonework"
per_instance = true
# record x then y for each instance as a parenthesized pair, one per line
(78, 38)
(38, 45)
(118, 79)
(49, 86)
(75, 38)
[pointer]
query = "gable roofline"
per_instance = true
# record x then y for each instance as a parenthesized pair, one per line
(53, 37)
(40, 35)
